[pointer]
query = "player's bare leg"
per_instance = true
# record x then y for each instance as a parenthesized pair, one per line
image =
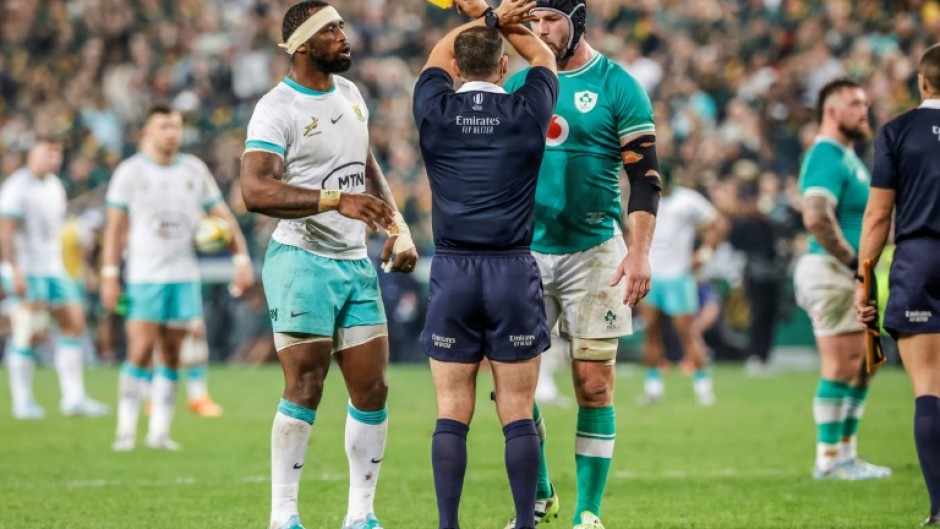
(838, 408)
(305, 366)
(134, 379)
(596, 432)
(69, 360)
(653, 353)
(693, 346)
(165, 381)
(364, 369)
(25, 319)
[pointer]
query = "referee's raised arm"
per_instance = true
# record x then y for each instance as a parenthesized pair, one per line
(508, 19)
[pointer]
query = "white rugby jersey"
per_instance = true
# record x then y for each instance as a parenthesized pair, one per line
(39, 206)
(324, 140)
(164, 204)
(680, 214)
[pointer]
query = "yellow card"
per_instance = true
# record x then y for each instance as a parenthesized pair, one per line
(443, 4)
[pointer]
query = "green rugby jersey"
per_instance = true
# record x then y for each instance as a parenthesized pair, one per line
(831, 170)
(577, 200)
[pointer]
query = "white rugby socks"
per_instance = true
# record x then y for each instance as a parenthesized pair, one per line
(366, 432)
(289, 438)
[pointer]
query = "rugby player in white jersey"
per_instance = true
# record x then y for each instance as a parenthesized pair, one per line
(156, 199)
(307, 161)
(32, 213)
(684, 214)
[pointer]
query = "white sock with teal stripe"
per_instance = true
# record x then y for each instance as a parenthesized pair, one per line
(197, 382)
(593, 450)
(68, 365)
(854, 409)
(21, 364)
(366, 432)
(289, 438)
(165, 381)
(132, 386)
(829, 411)
(653, 384)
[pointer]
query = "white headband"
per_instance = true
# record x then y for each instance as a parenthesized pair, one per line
(310, 27)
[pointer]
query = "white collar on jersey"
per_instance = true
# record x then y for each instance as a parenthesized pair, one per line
(930, 103)
(481, 86)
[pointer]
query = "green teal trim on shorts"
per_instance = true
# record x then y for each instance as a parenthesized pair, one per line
(11, 215)
(69, 341)
(167, 373)
(296, 411)
(23, 351)
(307, 91)
(368, 417)
(211, 203)
(265, 146)
(116, 205)
(197, 372)
(137, 372)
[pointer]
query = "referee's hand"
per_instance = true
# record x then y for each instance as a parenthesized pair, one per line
(375, 213)
(636, 269)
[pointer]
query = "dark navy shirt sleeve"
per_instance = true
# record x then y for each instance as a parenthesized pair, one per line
(433, 84)
(885, 172)
(540, 93)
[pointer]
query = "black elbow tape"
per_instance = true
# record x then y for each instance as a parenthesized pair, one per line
(639, 160)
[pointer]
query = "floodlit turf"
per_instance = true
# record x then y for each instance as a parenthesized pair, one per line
(745, 463)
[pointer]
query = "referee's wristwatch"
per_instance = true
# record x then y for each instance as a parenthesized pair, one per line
(492, 20)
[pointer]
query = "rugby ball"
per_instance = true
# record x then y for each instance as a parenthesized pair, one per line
(212, 236)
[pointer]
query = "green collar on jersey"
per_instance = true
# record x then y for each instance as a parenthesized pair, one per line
(307, 91)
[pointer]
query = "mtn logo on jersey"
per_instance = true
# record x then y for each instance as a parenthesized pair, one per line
(347, 177)
(585, 101)
(170, 225)
(558, 131)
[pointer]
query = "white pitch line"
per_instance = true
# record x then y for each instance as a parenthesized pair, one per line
(708, 474)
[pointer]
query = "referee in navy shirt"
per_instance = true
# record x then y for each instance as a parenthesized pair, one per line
(482, 148)
(906, 177)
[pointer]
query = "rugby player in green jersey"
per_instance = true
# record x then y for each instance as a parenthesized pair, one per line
(834, 183)
(583, 227)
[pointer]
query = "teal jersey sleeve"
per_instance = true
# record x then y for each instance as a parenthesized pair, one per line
(634, 111)
(822, 173)
(516, 80)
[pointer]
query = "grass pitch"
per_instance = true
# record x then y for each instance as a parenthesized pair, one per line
(744, 463)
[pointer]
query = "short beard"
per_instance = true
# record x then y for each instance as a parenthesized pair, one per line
(334, 64)
(856, 133)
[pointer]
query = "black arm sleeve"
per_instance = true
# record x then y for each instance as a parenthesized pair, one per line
(639, 160)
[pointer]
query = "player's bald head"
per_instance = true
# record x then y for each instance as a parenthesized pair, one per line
(929, 69)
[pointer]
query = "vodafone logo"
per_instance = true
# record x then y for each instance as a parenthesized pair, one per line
(557, 131)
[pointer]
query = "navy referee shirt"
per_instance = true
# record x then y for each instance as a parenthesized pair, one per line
(482, 149)
(907, 160)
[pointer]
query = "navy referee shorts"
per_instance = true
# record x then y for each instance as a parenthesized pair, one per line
(485, 304)
(914, 288)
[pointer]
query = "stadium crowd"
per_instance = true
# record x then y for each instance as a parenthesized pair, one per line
(733, 85)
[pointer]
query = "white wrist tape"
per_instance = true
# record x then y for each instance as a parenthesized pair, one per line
(241, 259)
(110, 271)
(403, 241)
